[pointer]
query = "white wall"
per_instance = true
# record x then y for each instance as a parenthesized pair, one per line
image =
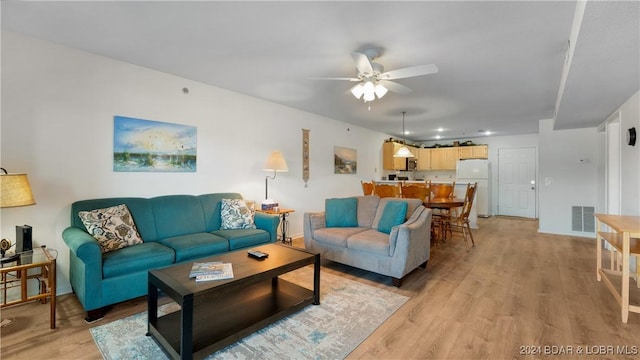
(494, 144)
(57, 114)
(630, 157)
(574, 182)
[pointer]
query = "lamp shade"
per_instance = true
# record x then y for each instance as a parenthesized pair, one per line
(276, 162)
(369, 91)
(15, 191)
(403, 152)
(380, 91)
(357, 91)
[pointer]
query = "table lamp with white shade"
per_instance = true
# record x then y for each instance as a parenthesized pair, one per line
(15, 191)
(275, 163)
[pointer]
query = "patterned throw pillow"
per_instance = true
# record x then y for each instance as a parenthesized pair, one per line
(237, 214)
(113, 227)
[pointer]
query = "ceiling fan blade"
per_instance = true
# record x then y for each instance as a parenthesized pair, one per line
(362, 63)
(409, 72)
(335, 78)
(395, 87)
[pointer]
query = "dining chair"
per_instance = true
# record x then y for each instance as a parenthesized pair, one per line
(440, 217)
(387, 190)
(367, 188)
(442, 190)
(415, 191)
(460, 223)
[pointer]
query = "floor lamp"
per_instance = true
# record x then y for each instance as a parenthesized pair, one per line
(276, 163)
(14, 192)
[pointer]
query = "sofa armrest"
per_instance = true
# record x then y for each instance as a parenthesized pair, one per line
(83, 245)
(412, 239)
(312, 222)
(269, 223)
(85, 267)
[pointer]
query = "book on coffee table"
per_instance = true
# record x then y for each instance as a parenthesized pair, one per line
(211, 271)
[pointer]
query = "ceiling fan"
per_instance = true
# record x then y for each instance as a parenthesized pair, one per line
(374, 82)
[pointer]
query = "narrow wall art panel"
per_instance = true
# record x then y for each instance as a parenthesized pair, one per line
(345, 160)
(153, 146)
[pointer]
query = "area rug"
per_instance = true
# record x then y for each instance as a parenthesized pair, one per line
(348, 313)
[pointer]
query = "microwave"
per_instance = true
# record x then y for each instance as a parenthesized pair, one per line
(412, 164)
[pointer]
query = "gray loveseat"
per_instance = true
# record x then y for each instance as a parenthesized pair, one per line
(396, 254)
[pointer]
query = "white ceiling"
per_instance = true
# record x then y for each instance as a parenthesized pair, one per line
(500, 63)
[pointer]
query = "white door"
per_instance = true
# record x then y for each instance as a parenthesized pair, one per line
(517, 182)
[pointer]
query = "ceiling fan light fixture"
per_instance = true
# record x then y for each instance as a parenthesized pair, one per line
(369, 91)
(357, 91)
(380, 91)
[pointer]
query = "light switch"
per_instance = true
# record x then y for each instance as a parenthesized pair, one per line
(548, 181)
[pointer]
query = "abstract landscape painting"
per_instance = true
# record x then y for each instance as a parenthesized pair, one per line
(345, 160)
(153, 146)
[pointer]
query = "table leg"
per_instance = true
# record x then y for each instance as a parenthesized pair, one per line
(625, 277)
(186, 341)
(52, 290)
(598, 250)
(285, 240)
(316, 280)
(152, 307)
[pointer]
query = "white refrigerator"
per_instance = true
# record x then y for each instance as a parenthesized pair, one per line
(477, 170)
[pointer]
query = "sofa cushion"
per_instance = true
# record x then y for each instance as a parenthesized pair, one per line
(341, 212)
(149, 255)
(336, 236)
(237, 214)
(243, 238)
(370, 241)
(394, 213)
(113, 227)
(367, 206)
(211, 204)
(412, 205)
(177, 215)
(193, 246)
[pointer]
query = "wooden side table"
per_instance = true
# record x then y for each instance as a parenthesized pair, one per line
(283, 213)
(624, 236)
(16, 274)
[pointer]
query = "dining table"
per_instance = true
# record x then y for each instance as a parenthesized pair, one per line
(443, 203)
(444, 206)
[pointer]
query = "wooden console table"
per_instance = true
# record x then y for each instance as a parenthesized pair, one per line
(16, 273)
(624, 236)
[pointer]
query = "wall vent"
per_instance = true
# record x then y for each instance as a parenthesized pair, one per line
(582, 219)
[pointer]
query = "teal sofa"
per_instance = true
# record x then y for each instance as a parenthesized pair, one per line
(174, 228)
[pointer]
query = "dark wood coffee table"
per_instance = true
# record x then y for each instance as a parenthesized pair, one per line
(218, 313)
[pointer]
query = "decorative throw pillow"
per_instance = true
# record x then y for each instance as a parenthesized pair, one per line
(237, 214)
(113, 227)
(341, 212)
(394, 213)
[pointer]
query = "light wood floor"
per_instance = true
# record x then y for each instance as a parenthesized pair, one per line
(517, 288)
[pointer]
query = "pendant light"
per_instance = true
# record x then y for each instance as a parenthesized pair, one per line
(404, 151)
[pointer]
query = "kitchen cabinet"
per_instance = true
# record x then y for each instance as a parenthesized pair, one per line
(424, 159)
(392, 163)
(444, 158)
(473, 152)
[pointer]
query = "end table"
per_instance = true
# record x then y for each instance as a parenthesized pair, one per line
(283, 213)
(15, 273)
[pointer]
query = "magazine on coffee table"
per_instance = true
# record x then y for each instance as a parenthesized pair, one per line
(215, 270)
